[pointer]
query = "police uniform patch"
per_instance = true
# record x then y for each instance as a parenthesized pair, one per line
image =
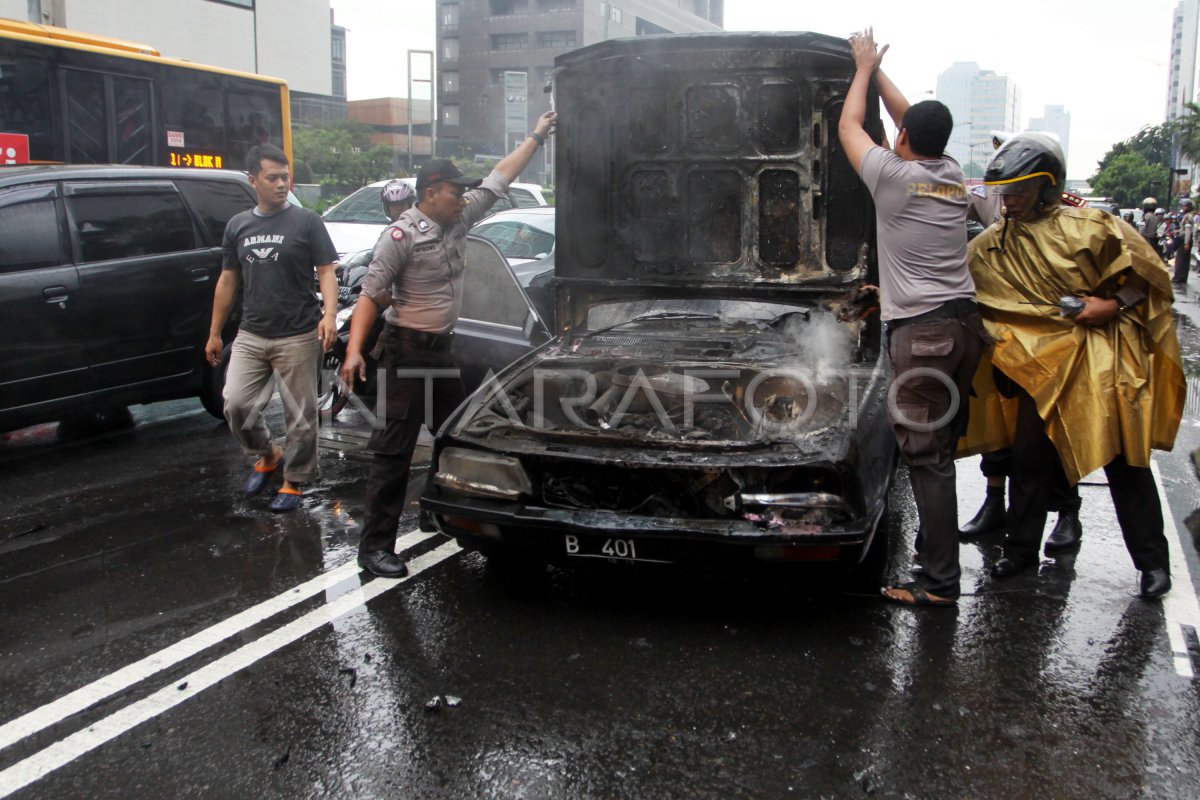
(979, 191)
(397, 234)
(422, 225)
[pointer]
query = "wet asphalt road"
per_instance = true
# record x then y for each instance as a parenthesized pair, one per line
(162, 636)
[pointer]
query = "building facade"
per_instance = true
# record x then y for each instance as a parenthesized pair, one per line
(1055, 120)
(291, 39)
(478, 41)
(980, 101)
(1181, 72)
(389, 121)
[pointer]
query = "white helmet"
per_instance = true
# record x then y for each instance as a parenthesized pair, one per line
(397, 191)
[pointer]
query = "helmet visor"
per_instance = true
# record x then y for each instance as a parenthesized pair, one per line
(1022, 185)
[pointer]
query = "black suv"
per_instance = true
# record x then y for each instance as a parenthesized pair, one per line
(106, 286)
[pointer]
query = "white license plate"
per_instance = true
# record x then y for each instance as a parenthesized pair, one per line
(613, 548)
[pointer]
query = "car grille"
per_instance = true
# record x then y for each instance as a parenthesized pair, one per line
(712, 493)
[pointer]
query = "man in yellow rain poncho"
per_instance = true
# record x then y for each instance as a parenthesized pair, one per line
(1073, 390)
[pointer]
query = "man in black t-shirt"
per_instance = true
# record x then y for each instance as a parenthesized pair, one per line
(271, 251)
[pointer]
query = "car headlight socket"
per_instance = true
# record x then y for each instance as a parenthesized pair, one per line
(480, 474)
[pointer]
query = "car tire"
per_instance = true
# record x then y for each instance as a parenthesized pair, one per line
(868, 575)
(212, 390)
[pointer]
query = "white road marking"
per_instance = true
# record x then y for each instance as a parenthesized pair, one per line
(1180, 605)
(77, 744)
(87, 696)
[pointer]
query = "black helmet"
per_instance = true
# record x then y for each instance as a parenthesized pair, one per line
(1025, 157)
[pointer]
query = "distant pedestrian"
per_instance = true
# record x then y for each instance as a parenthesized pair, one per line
(1183, 253)
(1149, 226)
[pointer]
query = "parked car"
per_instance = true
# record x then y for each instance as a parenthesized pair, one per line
(355, 223)
(106, 286)
(706, 399)
(499, 322)
(525, 236)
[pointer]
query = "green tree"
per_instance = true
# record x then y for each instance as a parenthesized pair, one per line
(1136, 168)
(341, 153)
(1189, 132)
(1128, 178)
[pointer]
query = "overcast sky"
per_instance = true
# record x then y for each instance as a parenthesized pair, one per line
(1106, 61)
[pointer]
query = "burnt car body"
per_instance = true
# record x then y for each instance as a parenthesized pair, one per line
(709, 394)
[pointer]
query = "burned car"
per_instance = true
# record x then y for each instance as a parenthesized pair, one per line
(714, 391)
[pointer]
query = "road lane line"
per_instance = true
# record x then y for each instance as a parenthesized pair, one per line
(63, 752)
(1180, 606)
(87, 696)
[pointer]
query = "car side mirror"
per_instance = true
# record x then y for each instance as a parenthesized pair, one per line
(533, 327)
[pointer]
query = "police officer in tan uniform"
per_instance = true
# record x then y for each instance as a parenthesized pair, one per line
(416, 276)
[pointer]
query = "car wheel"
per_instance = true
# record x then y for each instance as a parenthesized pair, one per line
(92, 421)
(330, 397)
(212, 390)
(869, 574)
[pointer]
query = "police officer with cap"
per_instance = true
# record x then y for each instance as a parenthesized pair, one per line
(416, 277)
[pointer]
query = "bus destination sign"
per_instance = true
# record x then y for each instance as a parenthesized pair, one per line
(199, 160)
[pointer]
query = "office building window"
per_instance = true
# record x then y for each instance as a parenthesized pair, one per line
(506, 8)
(557, 40)
(450, 16)
(338, 51)
(449, 82)
(510, 41)
(450, 49)
(450, 115)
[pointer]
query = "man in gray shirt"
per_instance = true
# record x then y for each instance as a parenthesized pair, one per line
(935, 335)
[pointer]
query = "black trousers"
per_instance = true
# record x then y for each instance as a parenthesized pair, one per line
(1183, 261)
(946, 353)
(420, 387)
(998, 464)
(1037, 473)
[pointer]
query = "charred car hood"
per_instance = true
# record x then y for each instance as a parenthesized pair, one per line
(645, 392)
(709, 162)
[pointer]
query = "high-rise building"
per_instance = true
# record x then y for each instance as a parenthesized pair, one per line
(981, 102)
(478, 41)
(291, 39)
(1056, 120)
(1182, 70)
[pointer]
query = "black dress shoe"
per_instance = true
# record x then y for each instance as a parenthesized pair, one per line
(1066, 534)
(383, 563)
(1155, 583)
(989, 518)
(1012, 565)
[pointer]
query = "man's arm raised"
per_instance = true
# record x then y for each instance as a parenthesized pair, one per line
(853, 136)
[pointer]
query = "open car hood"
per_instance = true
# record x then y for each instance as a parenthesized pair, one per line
(709, 161)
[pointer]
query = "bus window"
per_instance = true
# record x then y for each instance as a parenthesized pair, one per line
(254, 118)
(25, 101)
(196, 113)
(131, 99)
(87, 131)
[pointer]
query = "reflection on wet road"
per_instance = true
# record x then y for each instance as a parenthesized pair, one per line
(163, 636)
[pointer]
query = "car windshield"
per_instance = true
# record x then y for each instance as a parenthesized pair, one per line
(364, 205)
(519, 236)
(674, 313)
